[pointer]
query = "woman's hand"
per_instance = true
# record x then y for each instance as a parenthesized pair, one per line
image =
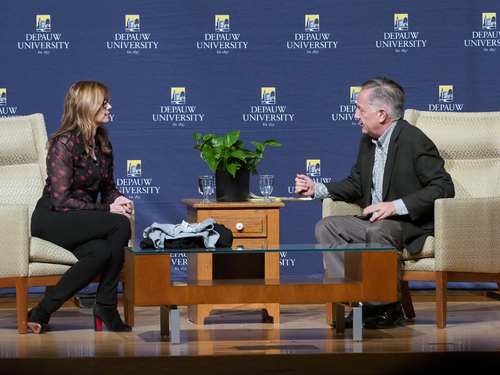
(122, 206)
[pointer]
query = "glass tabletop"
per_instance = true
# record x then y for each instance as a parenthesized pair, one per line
(268, 249)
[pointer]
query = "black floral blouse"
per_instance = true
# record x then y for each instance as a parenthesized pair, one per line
(75, 179)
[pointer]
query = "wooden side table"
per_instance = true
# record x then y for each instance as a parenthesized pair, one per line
(252, 223)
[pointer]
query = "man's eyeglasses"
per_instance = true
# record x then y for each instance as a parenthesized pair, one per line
(105, 102)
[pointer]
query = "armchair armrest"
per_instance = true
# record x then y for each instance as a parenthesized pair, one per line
(339, 208)
(14, 240)
(467, 234)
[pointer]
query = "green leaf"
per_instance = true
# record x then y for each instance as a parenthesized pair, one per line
(213, 164)
(208, 137)
(259, 146)
(271, 142)
(231, 138)
(239, 154)
(239, 144)
(232, 168)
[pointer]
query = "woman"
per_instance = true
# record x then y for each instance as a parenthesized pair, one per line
(79, 168)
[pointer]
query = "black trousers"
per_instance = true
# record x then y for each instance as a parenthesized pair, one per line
(96, 238)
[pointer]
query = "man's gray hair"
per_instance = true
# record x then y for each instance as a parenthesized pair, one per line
(386, 94)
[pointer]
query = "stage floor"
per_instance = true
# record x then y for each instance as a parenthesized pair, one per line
(239, 342)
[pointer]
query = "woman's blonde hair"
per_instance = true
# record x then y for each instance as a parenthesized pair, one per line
(81, 106)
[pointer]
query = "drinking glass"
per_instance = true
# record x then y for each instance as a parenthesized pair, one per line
(206, 186)
(266, 184)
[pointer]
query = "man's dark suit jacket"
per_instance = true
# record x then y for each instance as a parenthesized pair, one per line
(414, 172)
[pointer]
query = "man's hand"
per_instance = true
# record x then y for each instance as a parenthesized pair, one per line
(304, 186)
(380, 210)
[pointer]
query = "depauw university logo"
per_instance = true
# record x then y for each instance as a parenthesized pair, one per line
(312, 22)
(489, 21)
(43, 23)
(401, 21)
(313, 167)
(132, 23)
(446, 94)
(268, 95)
(346, 112)
(221, 23)
(354, 94)
(3, 96)
(133, 168)
(178, 95)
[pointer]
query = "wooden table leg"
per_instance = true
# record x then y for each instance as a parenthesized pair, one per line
(340, 318)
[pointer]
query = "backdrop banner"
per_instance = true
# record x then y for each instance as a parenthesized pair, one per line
(283, 70)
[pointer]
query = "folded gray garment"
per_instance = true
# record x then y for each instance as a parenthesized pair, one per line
(159, 233)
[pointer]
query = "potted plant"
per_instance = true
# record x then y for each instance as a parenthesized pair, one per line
(231, 163)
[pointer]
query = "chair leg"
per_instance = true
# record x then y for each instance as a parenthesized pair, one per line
(406, 300)
(441, 298)
(331, 312)
(128, 308)
(331, 307)
(22, 304)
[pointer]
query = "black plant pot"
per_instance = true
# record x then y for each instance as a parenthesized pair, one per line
(230, 189)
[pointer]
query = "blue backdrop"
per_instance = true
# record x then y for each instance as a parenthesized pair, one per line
(179, 67)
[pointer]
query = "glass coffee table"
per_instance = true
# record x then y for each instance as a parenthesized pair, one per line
(371, 274)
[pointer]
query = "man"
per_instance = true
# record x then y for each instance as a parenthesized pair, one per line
(398, 175)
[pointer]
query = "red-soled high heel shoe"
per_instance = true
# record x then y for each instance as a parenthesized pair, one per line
(37, 317)
(111, 318)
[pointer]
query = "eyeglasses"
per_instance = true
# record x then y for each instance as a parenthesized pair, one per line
(105, 102)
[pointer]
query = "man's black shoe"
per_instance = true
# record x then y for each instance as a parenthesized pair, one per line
(368, 312)
(389, 316)
(348, 322)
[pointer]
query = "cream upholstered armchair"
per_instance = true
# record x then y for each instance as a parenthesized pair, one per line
(25, 261)
(466, 244)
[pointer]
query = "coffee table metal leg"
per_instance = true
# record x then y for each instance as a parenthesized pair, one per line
(175, 326)
(357, 324)
(170, 323)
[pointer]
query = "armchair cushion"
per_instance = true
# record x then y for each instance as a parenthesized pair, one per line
(339, 208)
(46, 252)
(428, 251)
(17, 145)
(21, 184)
(470, 145)
(47, 269)
(14, 243)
